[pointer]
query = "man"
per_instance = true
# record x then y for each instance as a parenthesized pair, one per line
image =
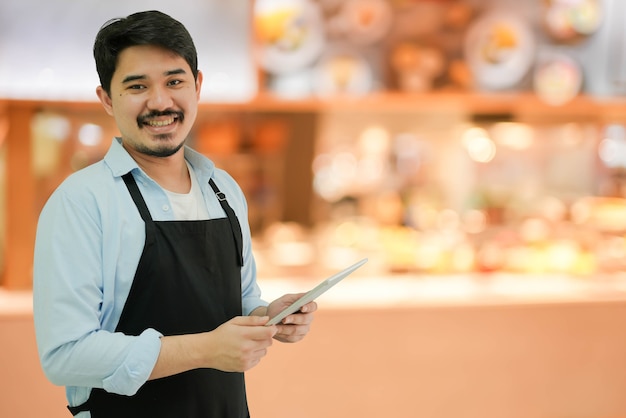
(145, 295)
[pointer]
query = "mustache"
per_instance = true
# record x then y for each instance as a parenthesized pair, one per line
(155, 113)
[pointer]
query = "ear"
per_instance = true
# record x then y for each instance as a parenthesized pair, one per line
(198, 84)
(105, 100)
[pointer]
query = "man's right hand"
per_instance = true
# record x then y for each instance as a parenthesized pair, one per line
(235, 346)
(241, 343)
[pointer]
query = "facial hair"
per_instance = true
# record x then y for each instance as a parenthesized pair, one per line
(163, 150)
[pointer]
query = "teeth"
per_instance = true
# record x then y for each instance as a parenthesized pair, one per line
(161, 122)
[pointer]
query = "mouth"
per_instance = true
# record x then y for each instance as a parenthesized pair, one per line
(160, 120)
(158, 123)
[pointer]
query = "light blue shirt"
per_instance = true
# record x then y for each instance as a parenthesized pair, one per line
(90, 237)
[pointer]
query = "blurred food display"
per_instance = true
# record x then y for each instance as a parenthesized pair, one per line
(425, 46)
(448, 137)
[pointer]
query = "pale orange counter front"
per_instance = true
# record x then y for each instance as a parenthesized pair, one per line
(507, 347)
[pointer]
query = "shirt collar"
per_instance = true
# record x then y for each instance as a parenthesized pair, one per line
(120, 162)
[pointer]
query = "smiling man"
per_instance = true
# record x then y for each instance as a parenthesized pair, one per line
(145, 295)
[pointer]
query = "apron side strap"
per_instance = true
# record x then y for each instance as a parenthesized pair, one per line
(232, 218)
(75, 410)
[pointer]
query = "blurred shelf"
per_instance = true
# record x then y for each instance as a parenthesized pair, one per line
(518, 104)
(446, 102)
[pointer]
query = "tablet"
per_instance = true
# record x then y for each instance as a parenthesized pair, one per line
(315, 292)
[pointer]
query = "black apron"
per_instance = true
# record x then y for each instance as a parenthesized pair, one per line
(188, 281)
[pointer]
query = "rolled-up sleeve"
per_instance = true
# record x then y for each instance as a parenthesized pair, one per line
(135, 370)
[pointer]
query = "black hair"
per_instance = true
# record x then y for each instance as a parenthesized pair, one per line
(143, 28)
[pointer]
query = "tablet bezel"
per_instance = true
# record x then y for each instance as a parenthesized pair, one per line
(316, 292)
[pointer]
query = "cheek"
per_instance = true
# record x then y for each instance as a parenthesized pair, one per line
(126, 109)
(125, 120)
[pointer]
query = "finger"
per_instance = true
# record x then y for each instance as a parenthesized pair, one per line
(263, 334)
(309, 307)
(250, 321)
(298, 319)
(258, 333)
(289, 298)
(291, 330)
(292, 333)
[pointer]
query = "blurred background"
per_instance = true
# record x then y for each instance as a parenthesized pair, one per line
(473, 150)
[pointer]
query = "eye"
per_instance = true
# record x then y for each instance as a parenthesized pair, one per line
(136, 87)
(174, 82)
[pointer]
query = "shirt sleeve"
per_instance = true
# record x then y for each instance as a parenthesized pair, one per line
(250, 291)
(73, 347)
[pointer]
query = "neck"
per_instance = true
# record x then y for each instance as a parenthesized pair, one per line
(170, 173)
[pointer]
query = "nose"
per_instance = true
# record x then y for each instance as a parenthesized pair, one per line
(159, 98)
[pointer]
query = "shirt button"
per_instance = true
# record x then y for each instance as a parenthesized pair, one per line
(166, 208)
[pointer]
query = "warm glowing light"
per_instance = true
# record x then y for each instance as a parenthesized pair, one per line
(612, 152)
(482, 150)
(553, 209)
(428, 253)
(562, 256)
(424, 216)
(464, 258)
(581, 211)
(471, 134)
(320, 162)
(371, 171)
(534, 229)
(334, 174)
(90, 134)
(616, 248)
(612, 149)
(344, 165)
(326, 185)
(479, 146)
(490, 256)
(448, 220)
(346, 234)
(51, 126)
(375, 140)
(513, 135)
(474, 221)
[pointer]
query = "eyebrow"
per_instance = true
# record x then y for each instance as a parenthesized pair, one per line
(135, 77)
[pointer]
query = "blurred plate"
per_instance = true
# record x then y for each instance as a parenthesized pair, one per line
(342, 73)
(557, 78)
(366, 21)
(499, 49)
(568, 20)
(290, 34)
(294, 85)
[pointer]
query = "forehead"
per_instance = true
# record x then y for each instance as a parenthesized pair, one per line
(148, 61)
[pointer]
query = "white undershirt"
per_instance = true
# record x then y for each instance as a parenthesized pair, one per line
(189, 206)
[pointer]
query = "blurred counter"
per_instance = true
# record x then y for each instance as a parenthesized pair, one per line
(486, 346)
(362, 291)
(497, 346)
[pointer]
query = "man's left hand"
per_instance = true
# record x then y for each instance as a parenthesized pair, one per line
(293, 327)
